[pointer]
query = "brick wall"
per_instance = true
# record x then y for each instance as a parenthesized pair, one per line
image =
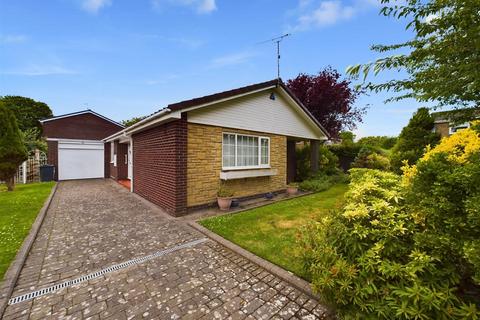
(205, 164)
(85, 126)
(106, 155)
(159, 165)
(52, 156)
(442, 129)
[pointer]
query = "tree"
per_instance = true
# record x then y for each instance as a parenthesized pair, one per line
(413, 139)
(442, 58)
(12, 148)
(329, 99)
(132, 121)
(28, 112)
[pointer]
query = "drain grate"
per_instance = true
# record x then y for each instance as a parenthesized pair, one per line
(93, 275)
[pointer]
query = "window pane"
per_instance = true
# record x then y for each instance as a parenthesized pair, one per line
(247, 151)
(228, 150)
(264, 151)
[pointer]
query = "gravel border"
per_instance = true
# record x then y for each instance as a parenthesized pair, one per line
(11, 276)
(285, 275)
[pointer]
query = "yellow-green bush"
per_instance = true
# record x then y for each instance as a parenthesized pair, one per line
(404, 247)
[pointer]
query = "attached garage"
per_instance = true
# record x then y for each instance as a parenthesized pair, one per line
(79, 159)
(75, 145)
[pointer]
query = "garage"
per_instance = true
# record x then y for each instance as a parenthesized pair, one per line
(80, 160)
(75, 144)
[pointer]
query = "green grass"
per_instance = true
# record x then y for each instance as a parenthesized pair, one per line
(18, 210)
(271, 231)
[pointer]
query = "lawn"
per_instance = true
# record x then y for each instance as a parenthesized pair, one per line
(271, 231)
(18, 210)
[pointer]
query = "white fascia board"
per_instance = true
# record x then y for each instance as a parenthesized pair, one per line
(74, 114)
(74, 140)
(323, 135)
(165, 118)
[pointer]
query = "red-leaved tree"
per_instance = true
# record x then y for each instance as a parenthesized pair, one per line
(329, 98)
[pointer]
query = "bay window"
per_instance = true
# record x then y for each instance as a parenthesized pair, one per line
(241, 151)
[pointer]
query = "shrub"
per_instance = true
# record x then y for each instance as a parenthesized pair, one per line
(322, 182)
(404, 248)
(371, 158)
(328, 162)
(346, 153)
(413, 139)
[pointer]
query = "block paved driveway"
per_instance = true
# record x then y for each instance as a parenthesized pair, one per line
(93, 224)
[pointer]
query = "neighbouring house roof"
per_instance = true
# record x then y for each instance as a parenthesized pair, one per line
(73, 114)
(218, 97)
(453, 115)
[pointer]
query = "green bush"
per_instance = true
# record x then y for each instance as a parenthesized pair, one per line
(346, 153)
(328, 162)
(322, 182)
(372, 158)
(404, 247)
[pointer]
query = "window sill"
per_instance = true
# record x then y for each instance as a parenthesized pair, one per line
(241, 174)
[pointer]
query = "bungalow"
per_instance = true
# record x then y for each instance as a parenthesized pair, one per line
(178, 156)
(447, 123)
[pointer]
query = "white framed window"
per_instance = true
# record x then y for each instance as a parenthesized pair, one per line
(242, 151)
(458, 127)
(112, 151)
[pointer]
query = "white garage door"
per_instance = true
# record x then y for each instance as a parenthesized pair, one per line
(80, 160)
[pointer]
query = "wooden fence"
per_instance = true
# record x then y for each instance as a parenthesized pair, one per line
(29, 170)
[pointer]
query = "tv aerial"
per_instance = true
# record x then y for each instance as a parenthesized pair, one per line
(277, 40)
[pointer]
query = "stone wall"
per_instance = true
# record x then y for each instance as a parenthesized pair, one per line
(204, 153)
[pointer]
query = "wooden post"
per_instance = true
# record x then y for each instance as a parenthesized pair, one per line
(314, 149)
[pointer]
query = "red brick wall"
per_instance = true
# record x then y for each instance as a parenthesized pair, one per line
(85, 126)
(160, 165)
(106, 156)
(52, 156)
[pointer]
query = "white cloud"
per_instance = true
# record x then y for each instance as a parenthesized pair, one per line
(12, 38)
(39, 70)
(231, 59)
(313, 14)
(93, 6)
(200, 6)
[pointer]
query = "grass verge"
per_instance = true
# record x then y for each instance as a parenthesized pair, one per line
(271, 231)
(18, 210)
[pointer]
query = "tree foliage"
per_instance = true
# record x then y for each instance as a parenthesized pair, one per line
(442, 58)
(28, 112)
(413, 139)
(371, 157)
(329, 98)
(12, 148)
(383, 142)
(132, 121)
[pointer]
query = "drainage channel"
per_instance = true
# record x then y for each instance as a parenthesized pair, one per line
(93, 275)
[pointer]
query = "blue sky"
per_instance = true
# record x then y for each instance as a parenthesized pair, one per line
(125, 58)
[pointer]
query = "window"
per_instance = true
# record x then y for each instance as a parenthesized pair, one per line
(455, 128)
(245, 151)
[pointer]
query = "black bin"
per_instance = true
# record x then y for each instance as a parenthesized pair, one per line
(47, 172)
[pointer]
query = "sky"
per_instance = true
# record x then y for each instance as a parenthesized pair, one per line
(126, 58)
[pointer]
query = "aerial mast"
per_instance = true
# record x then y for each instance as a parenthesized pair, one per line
(277, 40)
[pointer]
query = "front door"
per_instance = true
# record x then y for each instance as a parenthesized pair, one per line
(130, 163)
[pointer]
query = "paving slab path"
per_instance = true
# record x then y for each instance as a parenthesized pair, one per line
(94, 224)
